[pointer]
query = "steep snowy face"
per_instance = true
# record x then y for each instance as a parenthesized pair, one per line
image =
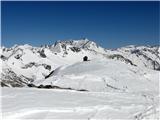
(142, 56)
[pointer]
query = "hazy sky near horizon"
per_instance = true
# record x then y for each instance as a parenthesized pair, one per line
(110, 24)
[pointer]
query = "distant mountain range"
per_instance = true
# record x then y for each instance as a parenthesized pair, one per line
(25, 64)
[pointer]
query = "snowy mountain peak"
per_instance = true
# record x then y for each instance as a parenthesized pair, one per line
(82, 43)
(75, 46)
(24, 60)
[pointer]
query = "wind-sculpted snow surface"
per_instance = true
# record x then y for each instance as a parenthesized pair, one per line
(103, 76)
(25, 103)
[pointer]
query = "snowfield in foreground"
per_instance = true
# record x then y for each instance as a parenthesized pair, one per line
(32, 103)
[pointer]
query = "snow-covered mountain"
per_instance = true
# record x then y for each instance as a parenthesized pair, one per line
(24, 64)
(113, 84)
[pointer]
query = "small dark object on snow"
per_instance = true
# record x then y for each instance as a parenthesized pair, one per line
(42, 54)
(82, 90)
(48, 67)
(48, 86)
(50, 74)
(31, 85)
(3, 57)
(41, 86)
(85, 58)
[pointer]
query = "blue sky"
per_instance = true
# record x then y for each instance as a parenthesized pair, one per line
(110, 24)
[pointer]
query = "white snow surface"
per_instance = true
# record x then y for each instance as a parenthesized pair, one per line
(28, 103)
(105, 87)
(115, 91)
(103, 75)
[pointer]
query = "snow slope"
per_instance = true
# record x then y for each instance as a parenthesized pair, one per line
(103, 75)
(25, 103)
